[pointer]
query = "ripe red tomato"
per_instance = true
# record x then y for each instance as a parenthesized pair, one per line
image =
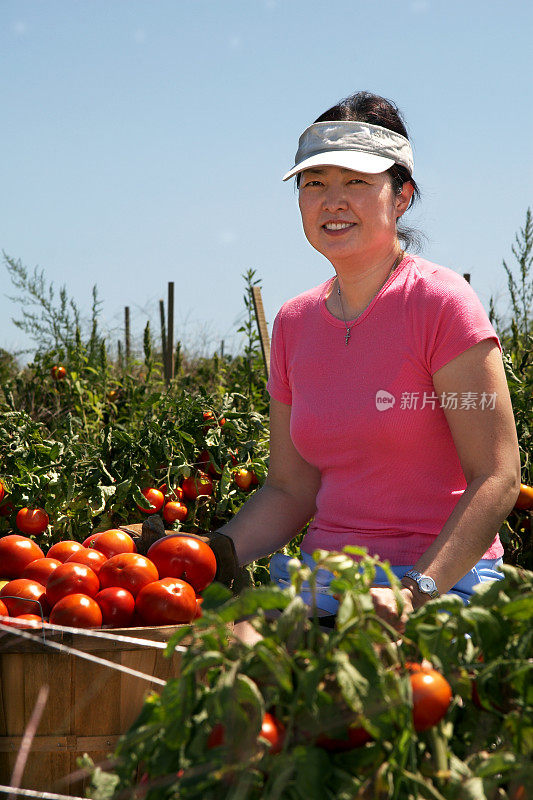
(6, 509)
(63, 550)
(243, 478)
(205, 461)
(40, 569)
(193, 486)
(432, 695)
(71, 579)
(355, 736)
(91, 558)
(156, 499)
(32, 520)
(171, 495)
(210, 418)
(169, 601)
(22, 596)
(117, 606)
(24, 621)
(129, 571)
(77, 611)
(524, 501)
(2, 491)
(181, 556)
(58, 372)
(111, 542)
(271, 729)
(16, 552)
(3, 610)
(175, 512)
(199, 601)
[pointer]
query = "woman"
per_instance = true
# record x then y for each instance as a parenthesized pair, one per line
(391, 421)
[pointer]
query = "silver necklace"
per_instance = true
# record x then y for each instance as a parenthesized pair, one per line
(349, 327)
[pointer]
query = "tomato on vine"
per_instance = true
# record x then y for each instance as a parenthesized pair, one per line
(432, 696)
(32, 521)
(155, 497)
(524, 500)
(58, 372)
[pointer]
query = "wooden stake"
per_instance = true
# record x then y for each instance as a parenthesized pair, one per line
(127, 333)
(163, 339)
(262, 327)
(170, 331)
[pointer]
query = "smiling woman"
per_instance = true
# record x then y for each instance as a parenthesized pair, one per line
(386, 382)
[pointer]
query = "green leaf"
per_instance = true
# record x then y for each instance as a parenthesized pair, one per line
(139, 498)
(214, 596)
(352, 684)
(519, 609)
(495, 763)
(277, 662)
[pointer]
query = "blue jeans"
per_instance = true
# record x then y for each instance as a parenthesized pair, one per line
(485, 570)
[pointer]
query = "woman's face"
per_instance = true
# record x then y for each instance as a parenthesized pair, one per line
(347, 214)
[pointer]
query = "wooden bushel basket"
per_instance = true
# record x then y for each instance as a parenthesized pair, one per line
(89, 705)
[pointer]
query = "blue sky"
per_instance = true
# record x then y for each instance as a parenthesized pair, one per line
(144, 141)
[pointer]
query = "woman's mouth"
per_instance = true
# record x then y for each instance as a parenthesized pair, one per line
(333, 227)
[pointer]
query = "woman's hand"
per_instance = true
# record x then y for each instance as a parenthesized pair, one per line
(386, 607)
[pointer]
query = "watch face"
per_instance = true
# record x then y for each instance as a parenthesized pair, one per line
(426, 584)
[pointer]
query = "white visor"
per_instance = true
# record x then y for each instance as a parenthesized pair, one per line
(358, 146)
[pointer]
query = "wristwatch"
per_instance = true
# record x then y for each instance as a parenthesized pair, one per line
(425, 584)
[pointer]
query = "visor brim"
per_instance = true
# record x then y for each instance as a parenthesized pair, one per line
(348, 159)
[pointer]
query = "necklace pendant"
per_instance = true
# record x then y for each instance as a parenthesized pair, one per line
(347, 337)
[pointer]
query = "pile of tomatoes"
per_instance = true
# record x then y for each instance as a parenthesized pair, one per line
(104, 581)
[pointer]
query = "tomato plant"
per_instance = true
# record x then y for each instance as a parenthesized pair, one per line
(117, 606)
(168, 601)
(16, 552)
(155, 497)
(129, 571)
(181, 556)
(76, 611)
(71, 578)
(272, 730)
(32, 521)
(175, 512)
(24, 596)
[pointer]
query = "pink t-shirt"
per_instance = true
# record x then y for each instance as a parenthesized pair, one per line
(367, 416)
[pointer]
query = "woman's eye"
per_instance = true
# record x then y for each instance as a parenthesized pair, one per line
(312, 183)
(357, 180)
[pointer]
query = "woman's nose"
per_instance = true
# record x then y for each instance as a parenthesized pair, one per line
(334, 200)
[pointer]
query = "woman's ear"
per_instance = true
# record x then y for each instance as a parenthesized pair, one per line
(403, 198)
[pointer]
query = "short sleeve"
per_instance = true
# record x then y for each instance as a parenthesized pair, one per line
(453, 321)
(278, 385)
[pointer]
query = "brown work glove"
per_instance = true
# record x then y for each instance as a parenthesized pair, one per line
(146, 533)
(222, 546)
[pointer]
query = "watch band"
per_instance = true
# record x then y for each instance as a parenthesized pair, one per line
(425, 584)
